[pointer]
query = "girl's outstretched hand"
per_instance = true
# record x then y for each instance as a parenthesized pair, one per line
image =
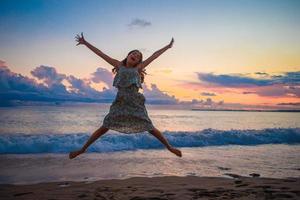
(171, 43)
(79, 39)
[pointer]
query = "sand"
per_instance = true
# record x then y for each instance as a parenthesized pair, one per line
(160, 188)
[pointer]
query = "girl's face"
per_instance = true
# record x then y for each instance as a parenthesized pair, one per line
(134, 58)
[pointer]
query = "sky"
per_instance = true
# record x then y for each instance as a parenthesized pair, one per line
(242, 53)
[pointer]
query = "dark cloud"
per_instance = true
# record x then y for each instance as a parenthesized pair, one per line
(232, 80)
(139, 23)
(273, 91)
(14, 86)
(278, 90)
(208, 94)
(289, 104)
(247, 92)
(241, 80)
(52, 87)
(220, 103)
(261, 73)
(103, 75)
(78, 86)
(207, 103)
(51, 78)
(48, 75)
(156, 96)
(83, 88)
(282, 85)
(291, 78)
(10, 81)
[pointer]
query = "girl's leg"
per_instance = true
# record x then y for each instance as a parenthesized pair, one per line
(100, 131)
(155, 132)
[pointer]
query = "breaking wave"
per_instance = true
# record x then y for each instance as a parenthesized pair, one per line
(110, 142)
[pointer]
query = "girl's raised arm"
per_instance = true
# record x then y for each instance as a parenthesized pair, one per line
(108, 59)
(155, 55)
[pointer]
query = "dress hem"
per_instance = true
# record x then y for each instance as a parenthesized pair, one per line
(115, 129)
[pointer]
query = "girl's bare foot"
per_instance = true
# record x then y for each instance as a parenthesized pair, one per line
(177, 152)
(74, 154)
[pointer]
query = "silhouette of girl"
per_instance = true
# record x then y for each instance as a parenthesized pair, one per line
(127, 113)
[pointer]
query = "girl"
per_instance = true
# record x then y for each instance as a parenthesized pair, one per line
(128, 113)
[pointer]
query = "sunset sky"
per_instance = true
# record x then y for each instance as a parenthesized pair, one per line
(227, 52)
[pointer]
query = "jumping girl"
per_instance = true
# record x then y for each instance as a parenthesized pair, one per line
(127, 113)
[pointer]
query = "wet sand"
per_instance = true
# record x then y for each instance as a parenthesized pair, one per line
(160, 188)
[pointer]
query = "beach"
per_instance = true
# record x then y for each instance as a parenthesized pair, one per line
(149, 100)
(226, 155)
(160, 188)
(229, 172)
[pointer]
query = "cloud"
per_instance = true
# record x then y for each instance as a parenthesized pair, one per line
(56, 87)
(240, 80)
(52, 88)
(15, 86)
(208, 94)
(155, 96)
(205, 104)
(50, 77)
(10, 81)
(281, 85)
(278, 90)
(248, 92)
(261, 73)
(289, 104)
(292, 78)
(103, 75)
(2, 63)
(79, 86)
(139, 23)
(48, 85)
(232, 80)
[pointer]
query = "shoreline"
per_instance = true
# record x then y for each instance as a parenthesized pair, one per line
(160, 188)
(107, 102)
(272, 161)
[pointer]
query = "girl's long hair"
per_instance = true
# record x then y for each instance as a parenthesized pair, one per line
(142, 73)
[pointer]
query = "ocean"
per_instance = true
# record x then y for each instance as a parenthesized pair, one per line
(35, 141)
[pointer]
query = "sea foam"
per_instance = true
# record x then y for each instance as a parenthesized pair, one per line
(110, 142)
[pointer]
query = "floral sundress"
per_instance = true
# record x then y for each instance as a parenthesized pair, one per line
(127, 113)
